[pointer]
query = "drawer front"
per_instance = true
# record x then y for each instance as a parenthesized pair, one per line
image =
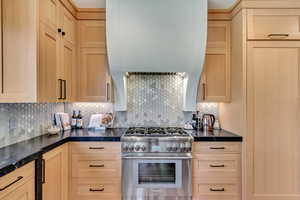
(216, 189)
(214, 167)
(273, 24)
(96, 166)
(217, 147)
(95, 147)
(95, 189)
(16, 178)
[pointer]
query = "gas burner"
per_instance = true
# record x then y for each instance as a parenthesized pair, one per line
(156, 140)
(156, 131)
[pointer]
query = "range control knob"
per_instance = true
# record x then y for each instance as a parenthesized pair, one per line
(143, 148)
(137, 147)
(169, 148)
(131, 148)
(175, 148)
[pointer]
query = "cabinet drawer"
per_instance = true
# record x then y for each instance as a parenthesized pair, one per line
(16, 178)
(216, 147)
(273, 24)
(96, 166)
(94, 189)
(95, 147)
(216, 190)
(215, 167)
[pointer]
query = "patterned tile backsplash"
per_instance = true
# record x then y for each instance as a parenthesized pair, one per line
(153, 100)
(20, 122)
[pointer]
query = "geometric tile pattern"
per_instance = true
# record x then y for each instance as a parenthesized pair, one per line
(87, 109)
(153, 100)
(23, 121)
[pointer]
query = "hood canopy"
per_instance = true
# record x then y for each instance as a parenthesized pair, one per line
(156, 36)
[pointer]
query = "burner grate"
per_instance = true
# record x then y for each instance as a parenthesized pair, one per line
(156, 131)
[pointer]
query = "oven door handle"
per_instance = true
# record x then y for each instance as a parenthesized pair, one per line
(156, 158)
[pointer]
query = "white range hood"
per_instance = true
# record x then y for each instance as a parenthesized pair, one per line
(156, 36)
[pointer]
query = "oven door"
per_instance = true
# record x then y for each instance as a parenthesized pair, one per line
(156, 178)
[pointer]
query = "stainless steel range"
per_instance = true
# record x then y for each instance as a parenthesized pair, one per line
(156, 164)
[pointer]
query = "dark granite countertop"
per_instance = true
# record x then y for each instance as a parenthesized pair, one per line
(19, 154)
(216, 136)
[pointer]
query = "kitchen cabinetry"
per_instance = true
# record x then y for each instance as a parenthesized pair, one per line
(273, 87)
(58, 52)
(217, 170)
(214, 85)
(55, 174)
(94, 81)
(38, 51)
(96, 170)
(266, 94)
(18, 185)
(273, 24)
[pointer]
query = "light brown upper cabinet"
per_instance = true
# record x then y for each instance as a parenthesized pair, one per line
(215, 79)
(273, 24)
(55, 174)
(36, 67)
(94, 81)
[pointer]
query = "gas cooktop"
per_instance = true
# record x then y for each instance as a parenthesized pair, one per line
(156, 131)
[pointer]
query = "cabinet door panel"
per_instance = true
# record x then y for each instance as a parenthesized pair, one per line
(55, 184)
(215, 85)
(273, 120)
(92, 33)
(49, 12)
(68, 24)
(19, 51)
(48, 62)
(93, 75)
(24, 192)
(274, 24)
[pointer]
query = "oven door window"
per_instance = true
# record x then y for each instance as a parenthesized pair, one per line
(152, 173)
(159, 173)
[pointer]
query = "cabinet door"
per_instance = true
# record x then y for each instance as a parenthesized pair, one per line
(273, 24)
(68, 55)
(92, 33)
(19, 51)
(273, 74)
(94, 82)
(55, 174)
(24, 192)
(214, 85)
(49, 13)
(48, 64)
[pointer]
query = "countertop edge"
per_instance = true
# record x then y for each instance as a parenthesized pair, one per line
(10, 167)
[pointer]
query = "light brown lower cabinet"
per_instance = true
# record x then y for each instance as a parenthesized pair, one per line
(96, 171)
(55, 174)
(217, 171)
(18, 185)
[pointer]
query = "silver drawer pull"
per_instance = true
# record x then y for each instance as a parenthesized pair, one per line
(217, 148)
(97, 165)
(217, 189)
(97, 189)
(216, 165)
(15, 181)
(96, 148)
